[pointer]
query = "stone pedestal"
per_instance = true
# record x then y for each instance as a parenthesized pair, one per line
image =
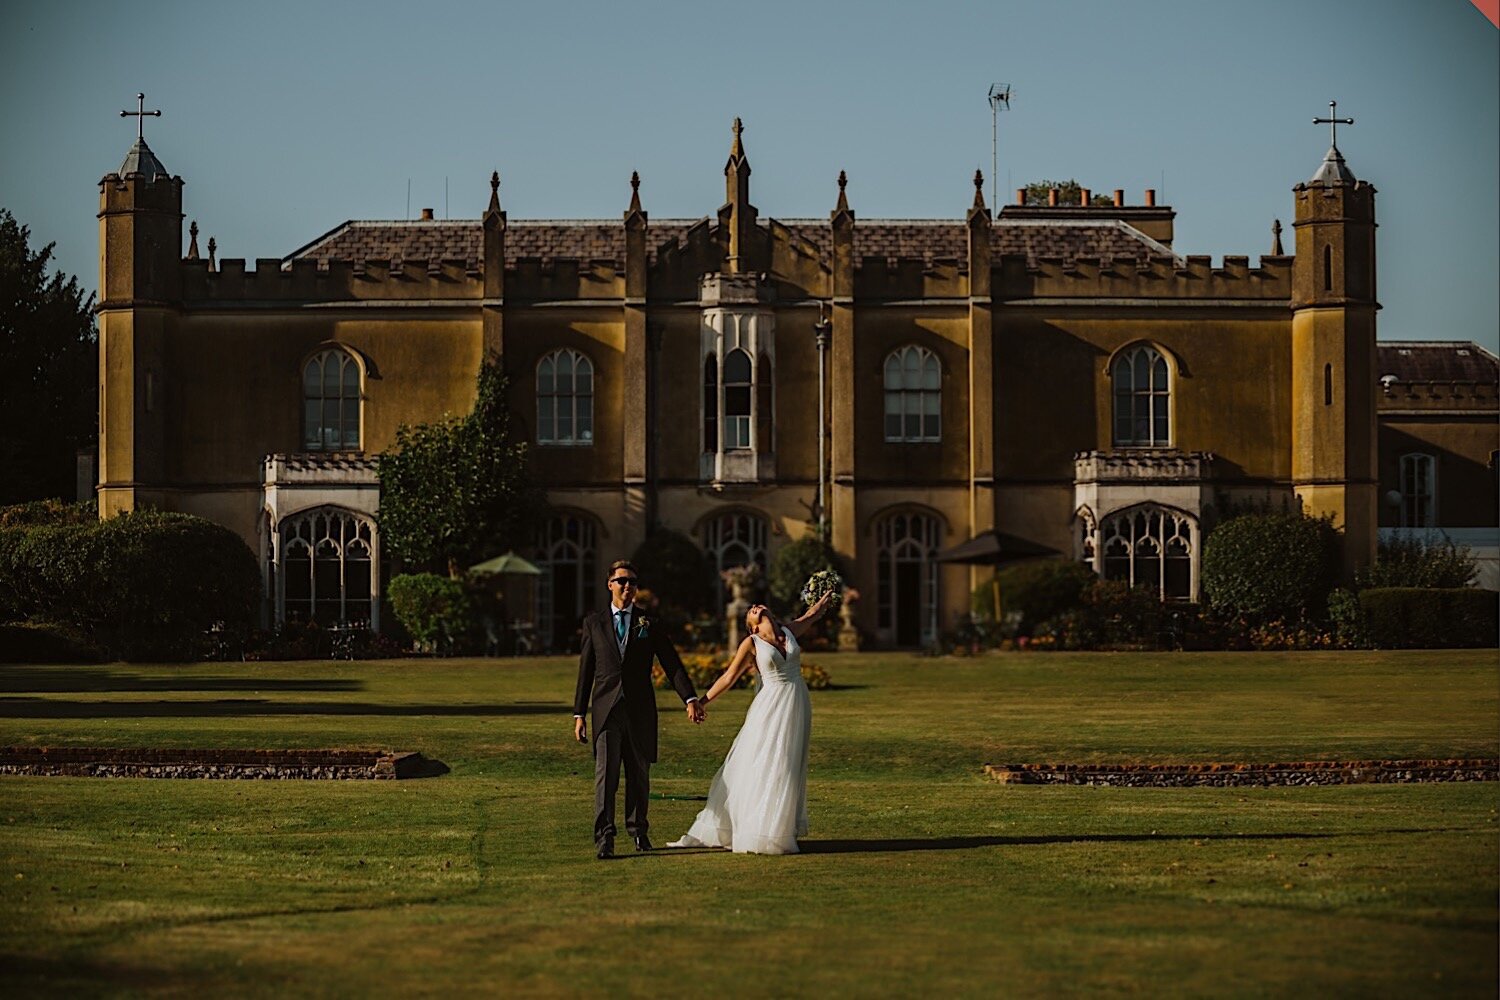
(848, 633)
(734, 618)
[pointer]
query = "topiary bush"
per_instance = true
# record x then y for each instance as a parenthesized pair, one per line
(795, 562)
(1431, 618)
(1410, 562)
(143, 585)
(436, 610)
(1042, 589)
(1269, 566)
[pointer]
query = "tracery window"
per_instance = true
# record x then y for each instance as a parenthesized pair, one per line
(1143, 395)
(913, 395)
(1418, 491)
(907, 577)
(565, 399)
(569, 587)
(327, 567)
(736, 538)
(1150, 547)
(331, 402)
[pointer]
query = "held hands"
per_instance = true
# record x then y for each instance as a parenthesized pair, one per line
(696, 711)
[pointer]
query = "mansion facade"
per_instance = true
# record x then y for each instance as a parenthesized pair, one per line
(1055, 374)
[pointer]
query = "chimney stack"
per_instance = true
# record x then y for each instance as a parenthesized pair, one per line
(1084, 197)
(1119, 197)
(1052, 198)
(426, 215)
(1020, 196)
(1151, 197)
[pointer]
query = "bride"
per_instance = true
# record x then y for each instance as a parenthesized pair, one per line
(757, 802)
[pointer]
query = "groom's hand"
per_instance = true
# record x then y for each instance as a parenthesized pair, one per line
(580, 730)
(695, 710)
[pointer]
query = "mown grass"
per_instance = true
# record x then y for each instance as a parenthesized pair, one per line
(921, 876)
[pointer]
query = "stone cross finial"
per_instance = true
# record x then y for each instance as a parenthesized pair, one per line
(1333, 122)
(1276, 250)
(193, 240)
(140, 114)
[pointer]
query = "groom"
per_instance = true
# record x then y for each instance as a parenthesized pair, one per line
(615, 665)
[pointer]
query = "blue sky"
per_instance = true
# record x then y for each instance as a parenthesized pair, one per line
(285, 119)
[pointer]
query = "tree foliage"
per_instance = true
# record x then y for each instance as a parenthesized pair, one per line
(1270, 566)
(674, 570)
(459, 490)
(1039, 589)
(1069, 192)
(48, 371)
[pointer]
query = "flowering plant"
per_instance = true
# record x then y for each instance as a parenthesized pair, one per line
(824, 581)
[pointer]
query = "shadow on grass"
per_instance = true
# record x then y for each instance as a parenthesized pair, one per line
(26, 680)
(969, 843)
(43, 708)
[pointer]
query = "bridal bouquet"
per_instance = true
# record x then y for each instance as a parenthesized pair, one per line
(824, 581)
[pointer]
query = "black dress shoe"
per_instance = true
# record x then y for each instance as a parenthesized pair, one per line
(606, 850)
(643, 843)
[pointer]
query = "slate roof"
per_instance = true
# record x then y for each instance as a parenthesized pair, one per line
(140, 160)
(602, 239)
(1436, 361)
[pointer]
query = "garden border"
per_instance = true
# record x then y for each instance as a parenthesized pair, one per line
(154, 762)
(1248, 775)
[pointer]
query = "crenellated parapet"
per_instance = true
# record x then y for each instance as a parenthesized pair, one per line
(306, 280)
(1438, 395)
(1155, 276)
(902, 278)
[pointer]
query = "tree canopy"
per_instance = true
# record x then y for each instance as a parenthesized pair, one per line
(49, 367)
(1069, 192)
(459, 490)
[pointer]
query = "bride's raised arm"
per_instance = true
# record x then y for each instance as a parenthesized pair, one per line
(744, 659)
(810, 617)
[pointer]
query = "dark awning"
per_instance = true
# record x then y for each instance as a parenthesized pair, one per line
(991, 548)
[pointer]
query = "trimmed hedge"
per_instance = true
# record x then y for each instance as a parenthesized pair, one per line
(1431, 618)
(1270, 566)
(436, 610)
(143, 585)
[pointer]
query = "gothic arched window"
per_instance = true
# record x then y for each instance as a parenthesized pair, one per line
(327, 570)
(567, 551)
(565, 399)
(1143, 398)
(736, 538)
(913, 395)
(1150, 547)
(1418, 491)
(331, 401)
(907, 577)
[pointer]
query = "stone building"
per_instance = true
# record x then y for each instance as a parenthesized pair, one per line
(1056, 374)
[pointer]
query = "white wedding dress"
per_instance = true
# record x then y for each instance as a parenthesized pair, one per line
(757, 802)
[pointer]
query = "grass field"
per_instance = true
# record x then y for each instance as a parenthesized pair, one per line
(920, 877)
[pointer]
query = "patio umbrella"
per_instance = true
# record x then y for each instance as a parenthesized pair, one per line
(508, 564)
(993, 548)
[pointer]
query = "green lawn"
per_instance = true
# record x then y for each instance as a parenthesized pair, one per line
(921, 876)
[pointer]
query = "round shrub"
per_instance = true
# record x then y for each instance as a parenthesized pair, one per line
(436, 610)
(1265, 566)
(795, 562)
(1040, 590)
(143, 585)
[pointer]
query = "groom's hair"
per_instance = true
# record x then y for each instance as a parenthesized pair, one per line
(621, 564)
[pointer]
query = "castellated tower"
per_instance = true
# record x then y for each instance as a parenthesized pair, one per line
(140, 291)
(1334, 462)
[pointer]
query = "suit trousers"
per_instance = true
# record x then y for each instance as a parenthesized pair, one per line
(613, 746)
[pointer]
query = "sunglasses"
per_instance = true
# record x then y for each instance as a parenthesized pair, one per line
(625, 581)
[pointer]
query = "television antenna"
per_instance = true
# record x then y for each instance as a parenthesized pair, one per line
(999, 100)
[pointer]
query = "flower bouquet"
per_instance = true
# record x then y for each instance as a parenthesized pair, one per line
(824, 581)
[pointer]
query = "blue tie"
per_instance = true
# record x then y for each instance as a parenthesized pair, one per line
(620, 625)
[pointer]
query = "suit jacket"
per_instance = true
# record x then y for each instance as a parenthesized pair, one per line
(624, 683)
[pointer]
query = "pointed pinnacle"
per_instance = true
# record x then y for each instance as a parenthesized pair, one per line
(494, 205)
(738, 149)
(635, 191)
(843, 205)
(193, 240)
(978, 189)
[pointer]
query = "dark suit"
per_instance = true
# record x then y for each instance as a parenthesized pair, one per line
(624, 712)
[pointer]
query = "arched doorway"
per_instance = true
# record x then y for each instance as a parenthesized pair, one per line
(567, 554)
(907, 577)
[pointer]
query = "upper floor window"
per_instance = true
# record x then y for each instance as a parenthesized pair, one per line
(913, 395)
(565, 399)
(1143, 397)
(1418, 491)
(738, 381)
(331, 402)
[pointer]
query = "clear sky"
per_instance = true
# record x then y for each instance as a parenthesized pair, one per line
(285, 119)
